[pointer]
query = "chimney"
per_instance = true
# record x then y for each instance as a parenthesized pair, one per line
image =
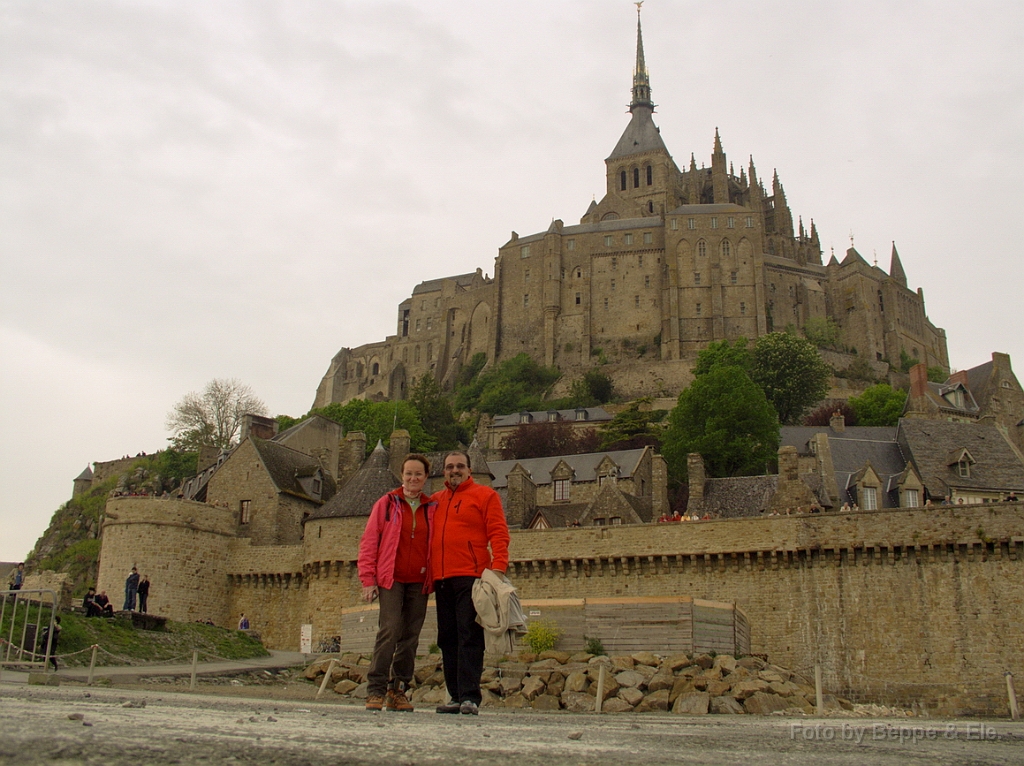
(351, 456)
(695, 473)
(960, 376)
(918, 380)
(398, 449)
(837, 422)
(258, 426)
(789, 464)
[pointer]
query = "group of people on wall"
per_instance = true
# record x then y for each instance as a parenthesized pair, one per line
(453, 544)
(136, 595)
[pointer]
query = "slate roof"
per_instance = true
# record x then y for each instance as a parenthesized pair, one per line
(286, 465)
(594, 415)
(373, 480)
(557, 515)
(434, 285)
(851, 449)
(738, 496)
(86, 474)
(640, 136)
(930, 442)
(585, 466)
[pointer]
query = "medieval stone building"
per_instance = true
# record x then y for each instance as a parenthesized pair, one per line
(668, 261)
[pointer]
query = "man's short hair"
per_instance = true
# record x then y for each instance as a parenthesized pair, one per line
(459, 452)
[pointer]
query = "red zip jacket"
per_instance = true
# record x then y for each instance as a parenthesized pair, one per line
(464, 521)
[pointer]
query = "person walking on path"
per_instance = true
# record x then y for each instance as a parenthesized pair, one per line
(468, 534)
(131, 588)
(48, 641)
(143, 593)
(393, 567)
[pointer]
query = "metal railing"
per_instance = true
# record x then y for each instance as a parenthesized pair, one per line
(25, 617)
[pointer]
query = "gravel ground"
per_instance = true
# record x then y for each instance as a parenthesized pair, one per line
(130, 727)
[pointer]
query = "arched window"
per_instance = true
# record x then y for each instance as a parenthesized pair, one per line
(702, 249)
(636, 178)
(622, 180)
(726, 248)
(376, 368)
(650, 175)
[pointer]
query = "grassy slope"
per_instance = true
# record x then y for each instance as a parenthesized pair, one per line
(123, 645)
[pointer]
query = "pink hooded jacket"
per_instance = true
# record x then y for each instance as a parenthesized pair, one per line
(378, 547)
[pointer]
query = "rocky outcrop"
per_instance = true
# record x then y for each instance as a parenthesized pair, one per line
(639, 683)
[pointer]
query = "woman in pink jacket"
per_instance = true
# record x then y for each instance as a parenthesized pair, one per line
(393, 567)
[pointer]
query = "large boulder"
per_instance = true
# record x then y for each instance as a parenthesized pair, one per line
(749, 688)
(577, 702)
(616, 705)
(576, 682)
(694, 703)
(646, 658)
(726, 706)
(761, 703)
(631, 695)
(661, 680)
(546, 702)
(630, 678)
(655, 701)
(532, 688)
(553, 654)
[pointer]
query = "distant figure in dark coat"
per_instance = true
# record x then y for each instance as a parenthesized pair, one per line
(143, 593)
(48, 642)
(131, 588)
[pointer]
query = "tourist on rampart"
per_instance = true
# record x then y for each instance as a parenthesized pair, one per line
(468, 534)
(17, 577)
(131, 589)
(143, 593)
(393, 567)
(243, 622)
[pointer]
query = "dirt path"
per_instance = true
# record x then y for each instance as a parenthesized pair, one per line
(75, 725)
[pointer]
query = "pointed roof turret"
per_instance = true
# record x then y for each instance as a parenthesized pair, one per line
(641, 135)
(896, 268)
(718, 143)
(641, 80)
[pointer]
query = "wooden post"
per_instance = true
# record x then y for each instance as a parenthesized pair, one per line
(92, 663)
(1012, 696)
(195, 662)
(818, 694)
(327, 678)
(600, 690)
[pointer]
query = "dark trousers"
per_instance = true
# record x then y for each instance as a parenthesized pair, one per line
(129, 599)
(403, 608)
(460, 637)
(143, 598)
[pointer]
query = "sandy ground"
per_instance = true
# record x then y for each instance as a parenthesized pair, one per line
(144, 725)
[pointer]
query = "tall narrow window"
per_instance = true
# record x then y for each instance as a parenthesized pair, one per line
(562, 489)
(698, 310)
(702, 249)
(870, 498)
(650, 175)
(605, 304)
(245, 513)
(648, 238)
(675, 224)
(647, 281)
(622, 181)
(696, 277)
(526, 300)
(570, 244)
(579, 299)
(608, 241)
(714, 222)
(524, 251)
(910, 498)
(726, 248)
(628, 238)
(691, 223)
(636, 301)
(636, 178)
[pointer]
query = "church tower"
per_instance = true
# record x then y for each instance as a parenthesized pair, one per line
(640, 171)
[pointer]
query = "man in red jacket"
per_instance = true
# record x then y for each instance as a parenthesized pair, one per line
(468, 533)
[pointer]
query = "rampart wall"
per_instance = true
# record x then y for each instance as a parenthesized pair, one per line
(903, 605)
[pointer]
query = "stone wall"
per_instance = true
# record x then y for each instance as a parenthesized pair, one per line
(181, 545)
(899, 605)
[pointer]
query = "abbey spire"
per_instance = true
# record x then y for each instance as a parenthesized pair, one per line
(641, 80)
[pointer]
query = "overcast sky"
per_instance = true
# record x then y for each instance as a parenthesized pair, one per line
(191, 190)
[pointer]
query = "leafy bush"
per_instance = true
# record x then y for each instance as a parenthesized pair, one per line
(594, 646)
(542, 636)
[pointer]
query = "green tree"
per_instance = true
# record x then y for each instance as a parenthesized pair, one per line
(880, 405)
(546, 439)
(435, 411)
(377, 420)
(212, 418)
(724, 353)
(791, 373)
(726, 418)
(937, 375)
(633, 428)
(516, 384)
(823, 333)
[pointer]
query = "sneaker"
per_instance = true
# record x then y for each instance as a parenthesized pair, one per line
(469, 708)
(374, 702)
(398, 702)
(451, 707)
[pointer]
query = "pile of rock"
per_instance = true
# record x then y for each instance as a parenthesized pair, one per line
(640, 683)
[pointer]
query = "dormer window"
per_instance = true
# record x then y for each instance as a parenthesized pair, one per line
(524, 417)
(562, 489)
(963, 468)
(581, 413)
(552, 416)
(317, 484)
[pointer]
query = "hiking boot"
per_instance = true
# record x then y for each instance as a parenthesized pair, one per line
(451, 707)
(397, 701)
(374, 702)
(469, 708)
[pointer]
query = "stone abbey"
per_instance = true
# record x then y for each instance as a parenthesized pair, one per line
(667, 262)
